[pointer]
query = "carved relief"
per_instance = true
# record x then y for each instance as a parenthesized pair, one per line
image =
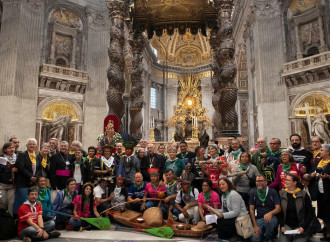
(310, 35)
(63, 46)
(59, 108)
(266, 9)
(66, 16)
(96, 19)
(298, 6)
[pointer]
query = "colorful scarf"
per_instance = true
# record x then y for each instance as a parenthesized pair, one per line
(207, 195)
(286, 167)
(42, 194)
(66, 194)
(323, 163)
(44, 162)
(187, 194)
(262, 194)
(137, 187)
(225, 194)
(244, 167)
(33, 157)
(236, 153)
(275, 153)
(293, 192)
(32, 206)
(315, 153)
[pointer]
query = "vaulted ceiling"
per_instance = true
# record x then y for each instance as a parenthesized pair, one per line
(178, 29)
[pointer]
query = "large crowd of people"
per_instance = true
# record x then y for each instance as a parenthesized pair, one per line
(272, 187)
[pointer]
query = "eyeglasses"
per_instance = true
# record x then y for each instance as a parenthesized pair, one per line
(260, 181)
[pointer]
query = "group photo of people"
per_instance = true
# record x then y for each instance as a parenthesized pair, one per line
(268, 193)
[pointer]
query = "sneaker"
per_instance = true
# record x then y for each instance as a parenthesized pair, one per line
(27, 239)
(54, 234)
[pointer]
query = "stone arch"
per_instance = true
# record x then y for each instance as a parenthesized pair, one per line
(47, 102)
(300, 98)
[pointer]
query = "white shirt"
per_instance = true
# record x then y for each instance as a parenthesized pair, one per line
(77, 173)
(98, 191)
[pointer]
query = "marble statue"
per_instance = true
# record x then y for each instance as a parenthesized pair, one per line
(320, 126)
(58, 124)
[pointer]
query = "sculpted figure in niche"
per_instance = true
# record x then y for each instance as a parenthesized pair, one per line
(59, 122)
(320, 126)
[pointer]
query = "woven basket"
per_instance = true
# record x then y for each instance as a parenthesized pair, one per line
(153, 217)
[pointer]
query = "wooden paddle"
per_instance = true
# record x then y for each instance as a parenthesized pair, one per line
(164, 232)
(134, 201)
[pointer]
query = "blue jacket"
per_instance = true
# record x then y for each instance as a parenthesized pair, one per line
(58, 202)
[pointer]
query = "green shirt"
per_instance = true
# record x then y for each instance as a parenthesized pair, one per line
(177, 166)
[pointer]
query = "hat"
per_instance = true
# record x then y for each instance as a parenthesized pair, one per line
(107, 147)
(98, 180)
(120, 178)
(129, 144)
(201, 226)
(185, 180)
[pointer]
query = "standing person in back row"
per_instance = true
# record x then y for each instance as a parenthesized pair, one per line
(300, 155)
(60, 167)
(185, 155)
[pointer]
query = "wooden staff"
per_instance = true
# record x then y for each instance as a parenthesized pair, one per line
(134, 201)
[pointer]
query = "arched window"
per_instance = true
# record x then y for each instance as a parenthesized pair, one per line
(61, 62)
(312, 51)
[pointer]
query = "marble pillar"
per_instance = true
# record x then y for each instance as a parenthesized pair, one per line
(20, 38)
(268, 52)
(95, 107)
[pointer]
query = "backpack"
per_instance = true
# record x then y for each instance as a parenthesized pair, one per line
(8, 228)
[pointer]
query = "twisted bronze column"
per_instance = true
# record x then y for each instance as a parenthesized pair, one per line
(117, 12)
(137, 44)
(225, 69)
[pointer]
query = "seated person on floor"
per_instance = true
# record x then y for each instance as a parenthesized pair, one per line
(85, 207)
(233, 206)
(118, 194)
(63, 203)
(44, 198)
(136, 193)
(265, 203)
(102, 196)
(171, 191)
(156, 190)
(187, 203)
(30, 223)
(209, 197)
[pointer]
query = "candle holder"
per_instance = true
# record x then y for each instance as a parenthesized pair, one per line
(152, 134)
(195, 133)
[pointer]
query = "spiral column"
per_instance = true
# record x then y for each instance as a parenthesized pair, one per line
(225, 69)
(137, 44)
(117, 12)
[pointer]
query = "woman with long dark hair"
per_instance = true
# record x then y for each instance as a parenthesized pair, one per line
(85, 207)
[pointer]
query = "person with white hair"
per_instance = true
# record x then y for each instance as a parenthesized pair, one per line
(29, 168)
(76, 145)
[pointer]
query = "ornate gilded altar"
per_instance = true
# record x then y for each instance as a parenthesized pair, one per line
(189, 112)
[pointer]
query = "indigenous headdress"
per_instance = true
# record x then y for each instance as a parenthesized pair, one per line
(129, 144)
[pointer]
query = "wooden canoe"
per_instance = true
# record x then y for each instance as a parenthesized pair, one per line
(129, 219)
